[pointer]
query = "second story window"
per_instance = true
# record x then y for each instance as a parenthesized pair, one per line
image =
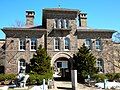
(88, 43)
(98, 44)
(57, 44)
(22, 44)
(33, 44)
(67, 43)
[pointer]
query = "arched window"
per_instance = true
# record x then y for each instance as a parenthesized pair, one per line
(88, 43)
(33, 44)
(67, 23)
(98, 44)
(59, 23)
(57, 44)
(100, 65)
(67, 43)
(55, 24)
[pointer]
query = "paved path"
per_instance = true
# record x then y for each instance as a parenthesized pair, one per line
(65, 85)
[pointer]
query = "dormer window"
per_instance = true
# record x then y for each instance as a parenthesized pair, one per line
(61, 23)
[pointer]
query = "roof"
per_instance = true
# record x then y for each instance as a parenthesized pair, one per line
(86, 29)
(31, 29)
(61, 9)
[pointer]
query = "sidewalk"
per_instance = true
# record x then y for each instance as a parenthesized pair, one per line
(67, 85)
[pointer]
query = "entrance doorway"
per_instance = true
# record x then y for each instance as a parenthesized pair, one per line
(62, 68)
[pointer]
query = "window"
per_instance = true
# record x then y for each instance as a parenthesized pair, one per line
(99, 65)
(57, 44)
(59, 64)
(67, 24)
(22, 44)
(61, 23)
(88, 43)
(67, 43)
(98, 44)
(62, 64)
(21, 66)
(33, 44)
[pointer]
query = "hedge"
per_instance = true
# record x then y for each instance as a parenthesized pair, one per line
(37, 79)
(109, 76)
(4, 77)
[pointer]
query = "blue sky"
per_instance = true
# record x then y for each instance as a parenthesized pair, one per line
(100, 13)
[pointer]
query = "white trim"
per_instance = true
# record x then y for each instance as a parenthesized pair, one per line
(30, 44)
(64, 43)
(98, 49)
(90, 43)
(19, 45)
(55, 44)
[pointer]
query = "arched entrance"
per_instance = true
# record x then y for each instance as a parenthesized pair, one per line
(62, 63)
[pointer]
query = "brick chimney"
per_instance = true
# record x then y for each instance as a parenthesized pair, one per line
(82, 19)
(30, 18)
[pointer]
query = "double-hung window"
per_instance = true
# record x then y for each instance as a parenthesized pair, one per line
(33, 44)
(100, 65)
(22, 45)
(98, 44)
(57, 44)
(67, 43)
(88, 43)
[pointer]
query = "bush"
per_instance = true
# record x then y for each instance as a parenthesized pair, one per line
(99, 77)
(4, 77)
(110, 76)
(38, 79)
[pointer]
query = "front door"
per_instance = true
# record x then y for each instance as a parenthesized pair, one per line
(62, 68)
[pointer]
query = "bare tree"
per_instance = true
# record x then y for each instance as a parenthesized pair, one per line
(18, 24)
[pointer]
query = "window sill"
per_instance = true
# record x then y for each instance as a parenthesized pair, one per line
(32, 50)
(66, 50)
(98, 50)
(21, 50)
(56, 50)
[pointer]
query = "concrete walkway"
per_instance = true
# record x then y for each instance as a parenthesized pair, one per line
(66, 85)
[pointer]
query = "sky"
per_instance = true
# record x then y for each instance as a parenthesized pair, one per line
(101, 14)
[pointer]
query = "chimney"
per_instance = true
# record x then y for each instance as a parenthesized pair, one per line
(30, 18)
(83, 19)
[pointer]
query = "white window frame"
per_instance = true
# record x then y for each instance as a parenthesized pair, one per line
(99, 66)
(88, 40)
(98, 46)
(57, 45)
(35, 44)
(65, 45)
(59, 23)
(22, 45)
(23, 66)
(64, 64)
(55, 23)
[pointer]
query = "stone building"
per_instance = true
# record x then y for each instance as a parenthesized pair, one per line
(62, 32)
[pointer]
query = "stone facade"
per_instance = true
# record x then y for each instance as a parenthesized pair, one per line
(47, 33)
